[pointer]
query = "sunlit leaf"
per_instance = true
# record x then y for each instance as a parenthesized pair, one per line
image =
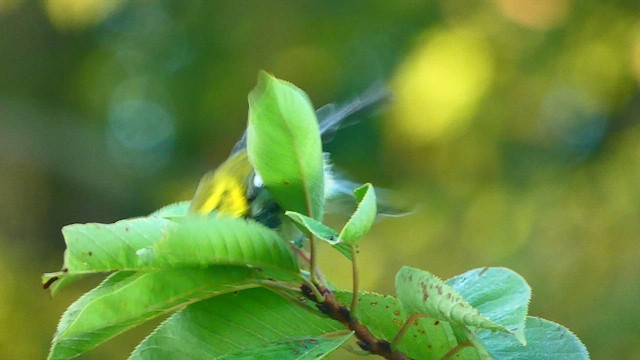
(284, 146)
(364, 216)
(499, 294)
(155, 244)
(423, 293)
(221, 241)
(230, 323)
(95, 248)
(127, 299)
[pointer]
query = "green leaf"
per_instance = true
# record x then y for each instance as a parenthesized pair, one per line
(231, 323)
(424, 293)
(205, 241)
(364, 216)
(127, 299)
(322, 232)
(499, 294)
(108, 247)
(314, 227)
(153, 243)
(283, 143)
(292, 349)
(344, 249)
(546, 340)
(95, 248)
(425, 339)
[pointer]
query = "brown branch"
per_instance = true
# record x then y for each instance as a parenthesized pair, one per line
(366, 340)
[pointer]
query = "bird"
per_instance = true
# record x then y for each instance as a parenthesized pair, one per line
(235, 189)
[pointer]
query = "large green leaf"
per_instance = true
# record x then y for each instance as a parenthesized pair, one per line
(424, 293)
(425, 339)
(154, 243)
(364, 216)
(94, 248)
(292, 349)
(221, 241)
(232, 323)
(284, 146)
(499, 294)
(126, 299)
(546, 340)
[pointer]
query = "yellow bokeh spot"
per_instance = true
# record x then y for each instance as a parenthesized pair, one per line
(438, 88)
(79, 14)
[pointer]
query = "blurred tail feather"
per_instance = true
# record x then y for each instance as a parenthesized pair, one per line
(332, 117)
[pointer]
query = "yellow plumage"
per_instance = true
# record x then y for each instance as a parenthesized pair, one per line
(225, 189)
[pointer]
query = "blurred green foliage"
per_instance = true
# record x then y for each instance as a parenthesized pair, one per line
(515, 129)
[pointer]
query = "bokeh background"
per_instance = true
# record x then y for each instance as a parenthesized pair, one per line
(514, 129)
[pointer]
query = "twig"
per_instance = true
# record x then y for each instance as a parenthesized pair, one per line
(311, 290)
(354, 273)
(366, 340)
(314, 259)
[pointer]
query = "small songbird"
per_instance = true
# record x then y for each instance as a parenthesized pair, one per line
(235, 189)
